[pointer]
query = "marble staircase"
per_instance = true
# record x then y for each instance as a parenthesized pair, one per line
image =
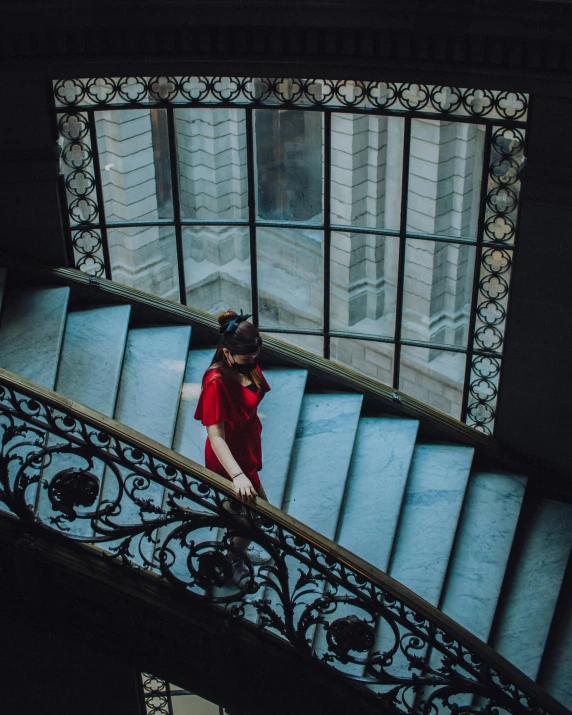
(470, 542)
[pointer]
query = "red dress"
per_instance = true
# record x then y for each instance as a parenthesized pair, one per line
(230, 402)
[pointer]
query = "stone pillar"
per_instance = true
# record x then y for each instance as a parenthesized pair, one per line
(444, 179)
(359, 189)
(211, 153)
(131, 142)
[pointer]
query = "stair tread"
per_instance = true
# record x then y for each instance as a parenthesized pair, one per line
(377, 478)
(279, 412)
(320, 459)
(429, 516)
(31, 333)
(558, 671)
(482, 549)
(92, 356)
(190, 434)
(533, 591)
(151, 379)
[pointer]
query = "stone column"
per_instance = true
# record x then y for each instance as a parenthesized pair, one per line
(444, 179)
(129, 147)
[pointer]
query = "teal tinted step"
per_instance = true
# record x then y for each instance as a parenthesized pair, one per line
(557, 666)
(429, 516)
(482, 549)
(148, 401)
(190, 435)
(320, 459)
(430, 512)
(377, 477)
(92, 356)
(31, 334)
(90, 366)
(533, 591)
(279, 412)
(151, 380)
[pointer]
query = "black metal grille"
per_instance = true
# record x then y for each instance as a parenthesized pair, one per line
(503, 114)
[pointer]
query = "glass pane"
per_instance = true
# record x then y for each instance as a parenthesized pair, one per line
(217, 268)
(211, 156)
(135, 165)
(364, 356)
(312, 343)
(433, 376)
(367, 167)
(290, 277)
(145, 258)
(437, 291)
(289, 166)
(363, 283)
(445, 168)
(187, 704)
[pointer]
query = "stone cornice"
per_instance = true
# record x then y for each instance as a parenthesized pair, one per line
(499, 38)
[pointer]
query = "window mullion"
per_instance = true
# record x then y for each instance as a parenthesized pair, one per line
(327, 227)
(99, 193)
(477, 272)
(252, 212)
(402, 246)
(176, 203)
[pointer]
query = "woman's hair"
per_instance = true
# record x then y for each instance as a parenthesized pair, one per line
(242, 338)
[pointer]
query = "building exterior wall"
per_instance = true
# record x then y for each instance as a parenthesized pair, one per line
(366, 184)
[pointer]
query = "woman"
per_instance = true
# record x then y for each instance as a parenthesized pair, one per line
(233, 387)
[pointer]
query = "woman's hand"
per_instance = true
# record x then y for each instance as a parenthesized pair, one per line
(244, 489)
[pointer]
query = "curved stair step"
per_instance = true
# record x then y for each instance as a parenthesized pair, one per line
(319, 466)
(92, 356)
(531, 595)
(148, 398)
(32, 330)
(426, 531)
(151, 380)
(89, 371)
(374, 493)
(190, 434)
(557, 661)
(376, 485)
(482, 549)
(279, 413)
(320, 459)
(431, 508)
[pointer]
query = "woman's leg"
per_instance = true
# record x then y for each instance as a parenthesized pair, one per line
(239, 543)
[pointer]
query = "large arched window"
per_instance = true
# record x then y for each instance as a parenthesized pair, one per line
(372, 223)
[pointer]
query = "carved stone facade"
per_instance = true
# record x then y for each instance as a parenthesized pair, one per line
(444, 173)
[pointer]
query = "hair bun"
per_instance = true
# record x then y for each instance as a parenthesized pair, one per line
(226, 316)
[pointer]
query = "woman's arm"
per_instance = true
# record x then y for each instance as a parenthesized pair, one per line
(242, 484)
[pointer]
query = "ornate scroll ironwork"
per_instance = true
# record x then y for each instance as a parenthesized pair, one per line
(83, 207)
(496, 259)
(82, 478)
(398, 97)
(156, 694)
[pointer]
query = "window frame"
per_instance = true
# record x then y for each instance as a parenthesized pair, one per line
(503, 114)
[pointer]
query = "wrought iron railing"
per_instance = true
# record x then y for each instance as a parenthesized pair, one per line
(81, 474)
